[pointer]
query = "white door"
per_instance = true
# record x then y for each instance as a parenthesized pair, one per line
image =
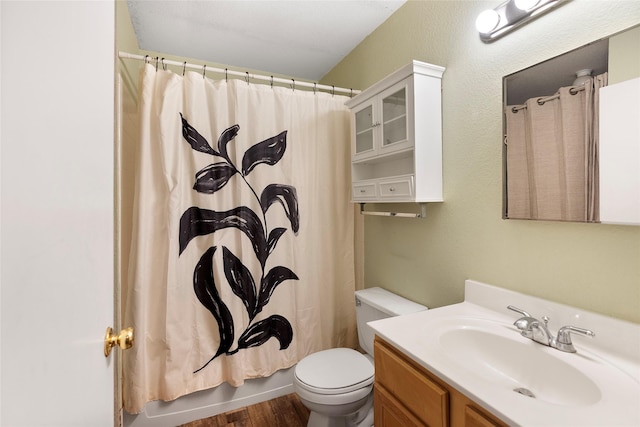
(57, 212)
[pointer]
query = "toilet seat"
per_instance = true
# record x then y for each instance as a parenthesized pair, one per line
(334, 371)
(352, 399)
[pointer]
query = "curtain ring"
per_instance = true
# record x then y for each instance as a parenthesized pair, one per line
(271, 82)
(540, 101)
(226, 76)
(333, 90)
(146, 59)
(351, 93)
(573, 91)
(293, 85)
(204, 70)
(314, 88)
(164, 66)
(514, 110)
(246, 78)
(157, 60)
(184, 67)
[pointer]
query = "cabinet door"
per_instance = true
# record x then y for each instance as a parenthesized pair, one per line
(394, 119)
(388, 412)
(409, 384)
(473, 418)
(365, 129)
(620, 153)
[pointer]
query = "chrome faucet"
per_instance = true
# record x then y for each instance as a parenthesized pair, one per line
(538, 331)
(541, 332)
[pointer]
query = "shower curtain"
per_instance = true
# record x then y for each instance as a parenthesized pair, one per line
(242, 257)
(552, 155)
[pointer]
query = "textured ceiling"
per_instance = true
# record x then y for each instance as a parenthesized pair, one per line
(302, 38)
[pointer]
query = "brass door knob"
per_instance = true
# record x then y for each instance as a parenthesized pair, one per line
(124, 340)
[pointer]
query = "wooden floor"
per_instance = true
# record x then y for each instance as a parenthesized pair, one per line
(285, 411)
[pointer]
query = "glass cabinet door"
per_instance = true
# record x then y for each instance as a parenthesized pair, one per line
(394, 118)
(364, 130)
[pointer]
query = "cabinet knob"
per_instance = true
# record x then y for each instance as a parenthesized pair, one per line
(392, 189)
(363, 191)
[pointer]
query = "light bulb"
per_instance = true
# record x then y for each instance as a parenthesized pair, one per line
(487, 21)
(526, 4)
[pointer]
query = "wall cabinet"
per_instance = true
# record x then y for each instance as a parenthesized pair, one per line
(406, 394)
(396, 142)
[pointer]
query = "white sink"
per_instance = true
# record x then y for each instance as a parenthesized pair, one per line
(518, 365)
(475, 347)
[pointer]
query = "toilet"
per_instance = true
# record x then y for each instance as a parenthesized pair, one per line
(336, 385)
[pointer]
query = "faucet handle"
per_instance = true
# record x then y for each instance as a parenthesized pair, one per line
(524, 323)
(517, 310)
(563, 341)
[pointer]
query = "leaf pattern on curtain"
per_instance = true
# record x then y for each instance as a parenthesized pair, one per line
(196, 222)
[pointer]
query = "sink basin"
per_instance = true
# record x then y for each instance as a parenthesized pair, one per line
(524, 366)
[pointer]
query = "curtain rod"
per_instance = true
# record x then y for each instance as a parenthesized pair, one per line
(573, 91)
(246, 75)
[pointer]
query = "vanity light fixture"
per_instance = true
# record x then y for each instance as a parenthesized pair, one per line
(494, 23)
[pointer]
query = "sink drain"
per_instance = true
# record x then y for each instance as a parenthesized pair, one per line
(524, 392)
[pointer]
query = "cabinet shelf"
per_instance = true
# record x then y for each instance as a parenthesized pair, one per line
(407, 154)
(395, 119)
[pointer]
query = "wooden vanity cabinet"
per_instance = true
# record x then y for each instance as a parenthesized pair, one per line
(408, 395)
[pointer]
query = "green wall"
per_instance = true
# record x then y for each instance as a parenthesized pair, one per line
(624, 56)
(593, 266)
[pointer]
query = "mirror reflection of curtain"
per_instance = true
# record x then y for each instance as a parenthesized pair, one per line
(552, 155)
(242, 258)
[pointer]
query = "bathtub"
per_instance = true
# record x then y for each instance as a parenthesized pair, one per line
(207, 403)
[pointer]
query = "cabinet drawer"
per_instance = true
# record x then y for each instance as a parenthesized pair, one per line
(427, 400)
(400, 187)
(364, 191)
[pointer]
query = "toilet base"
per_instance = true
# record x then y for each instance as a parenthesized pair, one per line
(360, 418)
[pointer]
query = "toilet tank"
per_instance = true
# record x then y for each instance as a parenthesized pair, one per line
(375, 304)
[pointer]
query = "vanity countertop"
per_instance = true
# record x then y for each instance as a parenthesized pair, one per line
(474, 347)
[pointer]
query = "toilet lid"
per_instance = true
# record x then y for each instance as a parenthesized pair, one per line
(337, 370)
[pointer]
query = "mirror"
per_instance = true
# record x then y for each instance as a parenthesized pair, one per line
(554, 154)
